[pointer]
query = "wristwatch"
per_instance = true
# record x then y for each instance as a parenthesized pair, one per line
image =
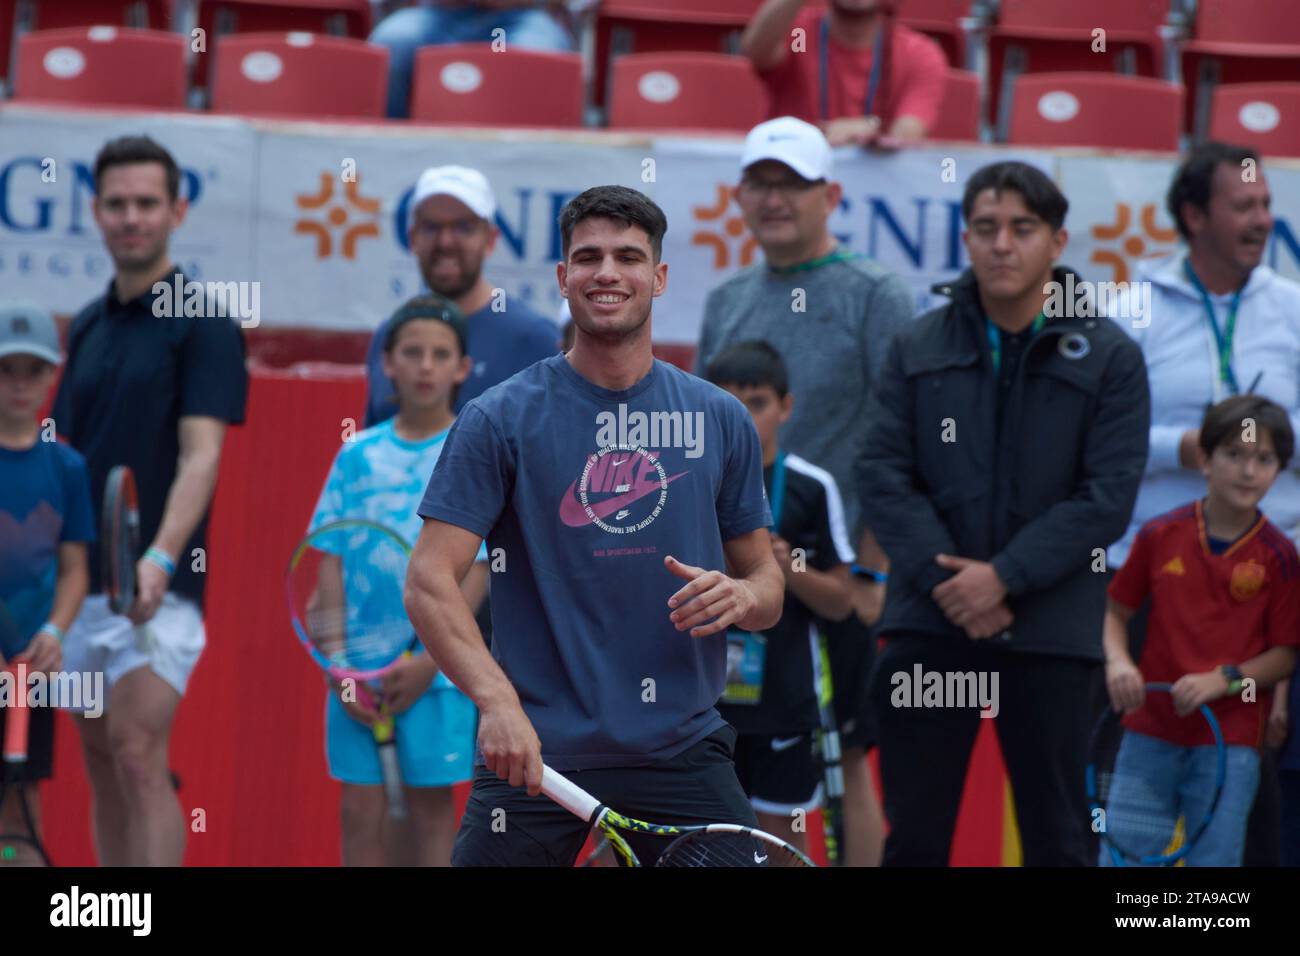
(1232, 673)
(858, 571)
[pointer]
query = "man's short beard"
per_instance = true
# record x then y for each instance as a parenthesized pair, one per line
(454, 292)
(138, 261)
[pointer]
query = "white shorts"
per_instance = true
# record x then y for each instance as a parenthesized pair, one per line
(169, 644)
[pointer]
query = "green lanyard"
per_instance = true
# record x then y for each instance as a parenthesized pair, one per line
(995, 338)
(1222, 339)
(839, 255)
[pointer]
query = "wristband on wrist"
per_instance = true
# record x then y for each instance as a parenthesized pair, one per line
(1232, 674)
(49, 627)
(162, 559)
(858, 571)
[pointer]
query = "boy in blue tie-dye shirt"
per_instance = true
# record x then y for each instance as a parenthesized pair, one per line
(380, 475)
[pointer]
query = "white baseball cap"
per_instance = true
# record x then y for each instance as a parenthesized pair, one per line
(460, 182)
(799, 145)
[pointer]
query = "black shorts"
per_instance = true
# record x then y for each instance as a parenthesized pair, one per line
(40, 747)
(851, 647)
(780, 772)
(503, 826)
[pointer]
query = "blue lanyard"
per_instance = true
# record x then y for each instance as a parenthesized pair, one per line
(777, 498)
(995, 338)
(873, 83)
(1222, 339)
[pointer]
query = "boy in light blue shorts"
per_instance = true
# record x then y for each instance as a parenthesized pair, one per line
(380, 475)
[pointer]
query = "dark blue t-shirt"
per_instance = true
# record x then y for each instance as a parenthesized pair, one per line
(130, 377)
(500, 344)
(586, 490)
(44, 501)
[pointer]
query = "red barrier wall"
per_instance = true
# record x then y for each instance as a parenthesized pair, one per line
(248, 742)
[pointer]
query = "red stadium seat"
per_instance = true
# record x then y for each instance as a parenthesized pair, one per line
(467, 84)
(1095, 109)
(7, 13)
(103, 65)
(1265, 116)
(336, 17)
(299, 73)
(1053, 36)
(60, 14)
(959, 116)
(1239, 41)
(941, 21)
(686, 91)
(665, 26)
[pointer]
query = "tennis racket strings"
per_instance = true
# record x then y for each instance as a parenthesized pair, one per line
(1141, 814)
(717, 846)
(346, 583)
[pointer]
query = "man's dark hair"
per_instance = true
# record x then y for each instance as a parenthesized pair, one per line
(1222, 425)
(623, 205)
(1194, 181)
(1040, 194)
(138, 149)
(751, 364)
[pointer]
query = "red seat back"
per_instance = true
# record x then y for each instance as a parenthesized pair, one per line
(103, 65)
(959, 114)
(299, 73)
(1081, 109)
(1265, 116)
(467, 84)
(686, 91)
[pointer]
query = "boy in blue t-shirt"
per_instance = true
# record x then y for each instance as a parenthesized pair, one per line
(772, 690)
(380, 476)
(45, 523)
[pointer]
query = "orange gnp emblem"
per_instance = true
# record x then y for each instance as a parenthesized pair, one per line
(337, 217)
(1133, 246)
(733, 228)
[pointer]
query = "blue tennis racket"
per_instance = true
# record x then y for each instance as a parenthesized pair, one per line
(1144, 820)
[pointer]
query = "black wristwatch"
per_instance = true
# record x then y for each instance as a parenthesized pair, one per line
(1234, 677)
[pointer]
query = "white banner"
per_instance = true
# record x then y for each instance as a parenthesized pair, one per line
(330, 234)
(1118, 216)
(901, 209)
(317, 213)
(50, 247)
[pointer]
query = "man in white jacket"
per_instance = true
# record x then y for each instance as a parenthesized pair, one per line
(1220, 323)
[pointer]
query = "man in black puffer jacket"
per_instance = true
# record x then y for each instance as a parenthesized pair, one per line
(1005, 442)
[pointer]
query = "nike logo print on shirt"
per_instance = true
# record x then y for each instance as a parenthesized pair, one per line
(572, 513)
(784, 743)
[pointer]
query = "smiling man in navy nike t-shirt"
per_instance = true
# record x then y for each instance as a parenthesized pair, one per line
(622, 502)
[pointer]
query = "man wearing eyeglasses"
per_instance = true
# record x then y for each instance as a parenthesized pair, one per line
(830, 313)
(451, 233)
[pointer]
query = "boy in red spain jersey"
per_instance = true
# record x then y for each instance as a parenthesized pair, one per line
(1224, 585)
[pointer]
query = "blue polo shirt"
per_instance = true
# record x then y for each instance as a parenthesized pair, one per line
(586, 490)
(129, 378)
(500, 344)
